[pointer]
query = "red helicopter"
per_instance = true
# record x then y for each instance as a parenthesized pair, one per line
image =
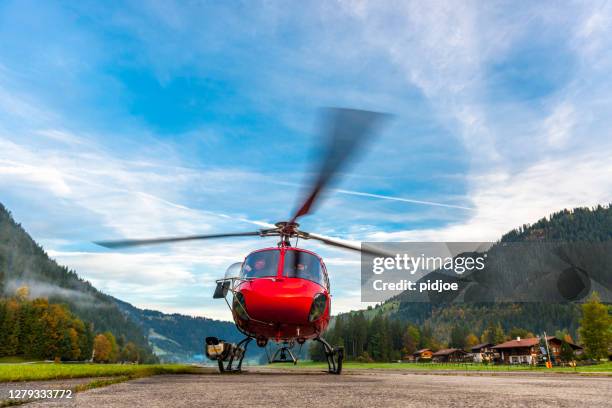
(283, 293)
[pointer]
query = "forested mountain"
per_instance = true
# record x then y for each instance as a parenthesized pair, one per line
(440, 322)
(579, 224)
(173, 337)
(176, 337)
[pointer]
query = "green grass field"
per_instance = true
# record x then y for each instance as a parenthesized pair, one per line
(604, 367)
(51, 371)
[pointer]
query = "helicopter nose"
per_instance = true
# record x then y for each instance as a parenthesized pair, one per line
(285, 301)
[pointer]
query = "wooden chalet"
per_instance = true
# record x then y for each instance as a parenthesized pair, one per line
(555, 343)
(423, 354)
(483, 352)
(527, 351)
(519, 351)
(451, 355)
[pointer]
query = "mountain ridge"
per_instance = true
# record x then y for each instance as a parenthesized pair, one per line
(171, 337)
(581, 224)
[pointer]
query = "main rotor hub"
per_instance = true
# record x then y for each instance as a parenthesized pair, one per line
(287, 229)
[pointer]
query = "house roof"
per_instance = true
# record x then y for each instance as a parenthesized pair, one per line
(446, 352)
(572, 345)
(421, 351)
(530, 342)
(479, 346)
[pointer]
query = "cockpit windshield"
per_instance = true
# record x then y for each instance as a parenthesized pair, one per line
(299, 264)
(260, 264)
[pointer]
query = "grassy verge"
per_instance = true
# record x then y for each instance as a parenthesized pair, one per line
(604, 367)
(112, 373)
(41, 371)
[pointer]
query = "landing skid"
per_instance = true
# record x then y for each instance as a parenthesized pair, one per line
(227, 354)
(334, 355)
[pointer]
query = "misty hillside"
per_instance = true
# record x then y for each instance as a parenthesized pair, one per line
(172, 337)
(577, 225)
(176, 337)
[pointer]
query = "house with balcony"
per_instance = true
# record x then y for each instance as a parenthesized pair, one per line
(422, 355)
(529, 351)
(484, 352)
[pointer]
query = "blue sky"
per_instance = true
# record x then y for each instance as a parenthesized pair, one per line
(138, 119)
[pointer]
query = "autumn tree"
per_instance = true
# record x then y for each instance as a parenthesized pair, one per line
(595, 327)
(411, 339)
(101, 349)
(10, 329)
(41, 330)
(114, 348)
(471, 340)
(129, 353)
(22, 293)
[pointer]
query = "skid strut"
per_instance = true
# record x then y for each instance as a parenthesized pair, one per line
(334, 355)
(283, 355)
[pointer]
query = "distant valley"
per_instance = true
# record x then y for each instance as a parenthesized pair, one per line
(167, 337)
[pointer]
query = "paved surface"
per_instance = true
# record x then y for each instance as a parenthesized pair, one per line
(353, 389)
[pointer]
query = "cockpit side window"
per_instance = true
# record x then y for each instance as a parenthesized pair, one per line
(303, 265)
(260, 264)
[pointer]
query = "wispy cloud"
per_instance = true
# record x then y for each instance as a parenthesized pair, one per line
(514, 177)
(177, 119)
(402, 199)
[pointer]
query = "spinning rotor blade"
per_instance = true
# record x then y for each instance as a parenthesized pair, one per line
(138, 242)
(346, 245)
(346, 131)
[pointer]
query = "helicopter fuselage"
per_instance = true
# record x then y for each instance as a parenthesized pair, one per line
(283, 295)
